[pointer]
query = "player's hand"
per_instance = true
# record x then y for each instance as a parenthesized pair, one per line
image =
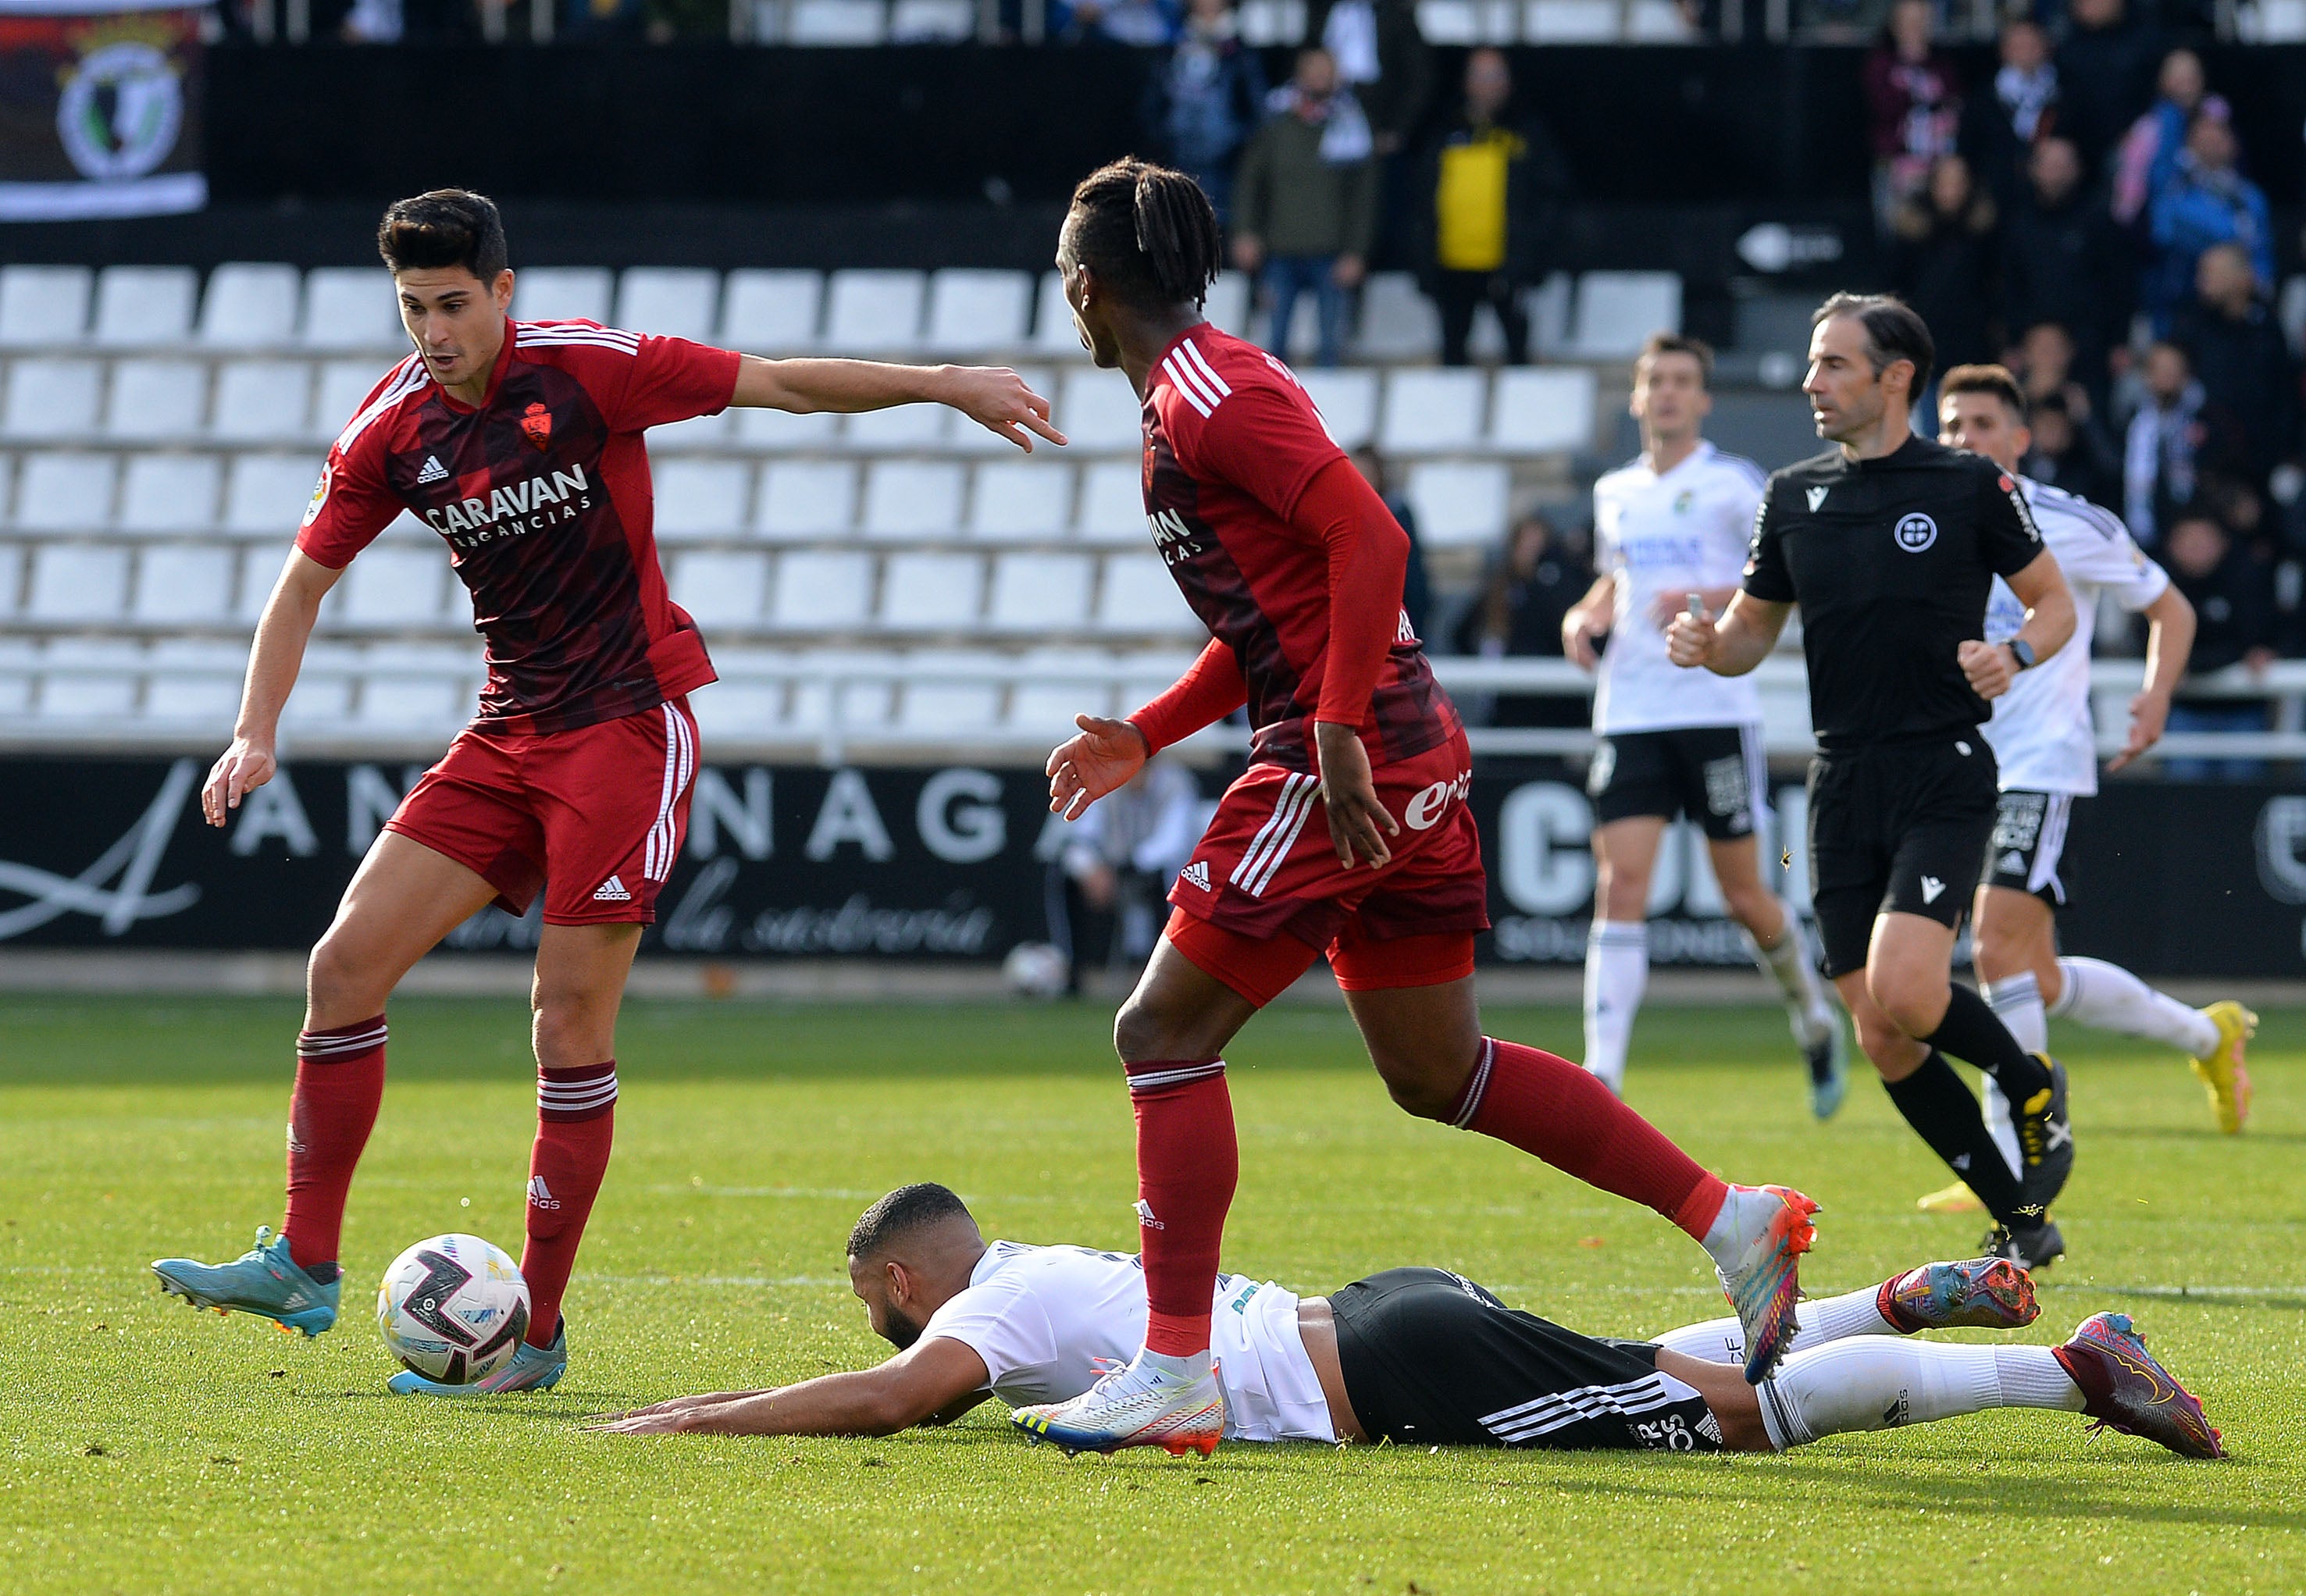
(661, 1417)
(1689, 640)
(1580, 629)
(2149, 712)
(1358, 823)
(1100, 759)
(1987, 667)
(998, 399)
(245, 766)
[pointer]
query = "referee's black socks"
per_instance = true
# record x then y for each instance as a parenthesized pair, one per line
(1944, 1111)
(1972, 1031)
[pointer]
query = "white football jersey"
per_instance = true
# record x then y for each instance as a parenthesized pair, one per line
(1049, 1320)
(1663, 537)
(2041, 729)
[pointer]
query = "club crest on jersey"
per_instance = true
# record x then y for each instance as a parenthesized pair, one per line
(1916, 533)
(536, 424)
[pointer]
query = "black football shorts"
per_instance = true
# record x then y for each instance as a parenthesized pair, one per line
(1899, 828)
(2029, 844)
(1714, 774)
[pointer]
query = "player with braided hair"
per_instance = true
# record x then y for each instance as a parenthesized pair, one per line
(1296, 566)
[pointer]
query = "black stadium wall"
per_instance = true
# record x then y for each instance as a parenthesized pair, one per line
(948, 863)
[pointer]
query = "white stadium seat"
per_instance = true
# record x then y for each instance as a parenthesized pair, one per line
(864, 705)
(20, 659)
(43, 305)
(195, 679)
(694, 432)
(1571, 22)
(184, 585)
(392, 586)
(344, 384)
(721, 588)
(1229, 301)
(1658, 22)
(1040, 592)
(1460, 503)
(351, 307)
(155, 398)
(77, 582)
(250, 306)
(672, 302)
(52, 398)
(770, 313)
(1543, 410)
(702, 497)
(323, 699)
(1053, 322)
(1139, 595)
(170, 494)
(1617, 311)
(948, 695)
(737, 709)
(971, 311)
(12, 578)
(1044, 704)
(873, 310)
(1449, 22)
(1032, 497)
(913, 499)
(417, 685)
(840, 23)
(806, 499)
(1267, 23)
(1347, 401)
(932, 21)
(260, 570)
(757, 428)
(899, 427)
(266, 495)
(1113, 503)
(931, 592)
(144, 304)
(561, 293)
(822, 590)
(7, 485)
(66, 492)
(1100, 412)
(1398, 322)
(1434, 412)
(89, 678)
(264, 400)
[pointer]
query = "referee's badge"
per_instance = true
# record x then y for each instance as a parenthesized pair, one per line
(1916, 533)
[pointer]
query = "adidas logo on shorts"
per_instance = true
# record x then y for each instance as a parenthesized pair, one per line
(433, 472)
(1195, 875)
(611, 890)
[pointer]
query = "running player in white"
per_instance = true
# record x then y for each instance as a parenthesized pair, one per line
(1427, 1357)
(2042, 744)
(1669, 742)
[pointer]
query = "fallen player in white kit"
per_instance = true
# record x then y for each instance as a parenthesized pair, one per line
(1423, 1357)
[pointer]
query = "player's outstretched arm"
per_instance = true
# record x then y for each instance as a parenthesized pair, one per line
(932, 1380)
(1732, 645)
(2169, 644)
(273, 661)
(993, 397)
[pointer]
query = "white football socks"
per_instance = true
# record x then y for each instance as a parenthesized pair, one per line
(1870, 1383)
(1789, 965)
(1616, 970)
(2016, 1002)
(2109, 998)
(1822, 1319)
(1169, 1366)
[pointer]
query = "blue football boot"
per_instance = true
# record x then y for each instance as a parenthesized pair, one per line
(530, 1368)
(264, 1281)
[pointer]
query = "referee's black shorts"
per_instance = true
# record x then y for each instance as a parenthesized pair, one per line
(1431, 1359)
(1900, 827)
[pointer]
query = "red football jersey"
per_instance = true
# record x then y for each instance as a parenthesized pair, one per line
(1231, 442)
(542, 496)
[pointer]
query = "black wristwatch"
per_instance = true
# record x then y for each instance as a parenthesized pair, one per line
(2022, 652)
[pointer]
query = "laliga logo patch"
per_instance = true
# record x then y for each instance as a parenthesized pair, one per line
(1916, 533)
(537, 423)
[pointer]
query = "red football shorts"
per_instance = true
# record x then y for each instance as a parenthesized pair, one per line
(595, 816)
(1264, 895)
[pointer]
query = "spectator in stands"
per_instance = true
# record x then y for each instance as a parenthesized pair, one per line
(1143, 24)
(2063, 261)
(1212, 94)
(1105, 888)
(1305, 202)
(1943, 258)
(2149, 151)
(2000, 128)
(2071, 456)
(2177, 438)
(2206, 201)
(2044, 363)
(1416, 588)
(1913, 97)
(1491, 186)
(2105, 75)
(1382, 58)
(2238, 351)
(2233, 596)
(1531, 585)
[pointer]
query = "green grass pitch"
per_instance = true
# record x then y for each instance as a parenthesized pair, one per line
(146, 1448)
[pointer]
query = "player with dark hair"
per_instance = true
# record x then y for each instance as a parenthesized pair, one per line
(1890, 544)
(1296, 567)
(521, 445)
(1426, 1357)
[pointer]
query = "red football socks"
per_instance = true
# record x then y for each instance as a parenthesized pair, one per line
(576, 1125)
(339, 1082)
(1187, 1165)
(1550, 1107)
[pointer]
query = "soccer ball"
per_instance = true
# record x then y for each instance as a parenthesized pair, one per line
(453, 1309)
(1034, 969)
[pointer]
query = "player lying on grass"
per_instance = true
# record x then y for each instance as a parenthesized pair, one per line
(522, 445)
(1426, 1357)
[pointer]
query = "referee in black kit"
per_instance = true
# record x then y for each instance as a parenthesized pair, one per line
(1889, 542)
